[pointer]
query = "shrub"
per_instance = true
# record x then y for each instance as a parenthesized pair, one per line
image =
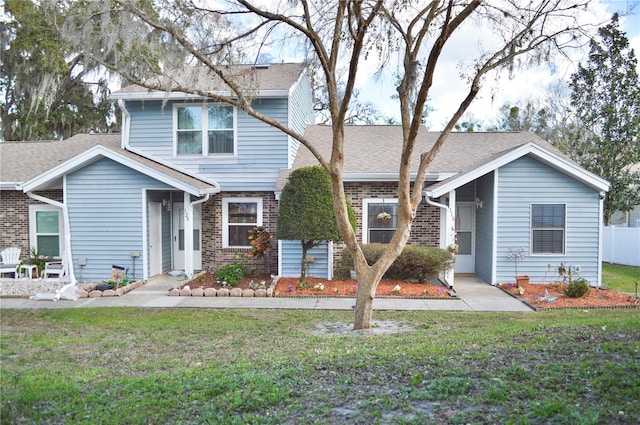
(577, 288)
(419, 263)
(231, 273)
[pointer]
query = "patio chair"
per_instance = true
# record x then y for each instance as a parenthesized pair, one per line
(10, 261)
(54, 268)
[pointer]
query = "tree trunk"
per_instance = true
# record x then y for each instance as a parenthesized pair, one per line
(306, 246)
(303, 262)
(368, 279)
(364, 305)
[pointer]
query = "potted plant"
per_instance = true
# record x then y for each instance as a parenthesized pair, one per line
(35, 259)
(453, 248)
(515, 255)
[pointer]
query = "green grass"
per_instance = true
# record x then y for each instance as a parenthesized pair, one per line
(203, 366)
(621, 278)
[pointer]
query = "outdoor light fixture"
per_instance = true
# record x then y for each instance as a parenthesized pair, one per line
(134, 255)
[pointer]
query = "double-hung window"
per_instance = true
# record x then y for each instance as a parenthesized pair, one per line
(45, 230)
(204, 129)
(380, 218)
(548, 228)
(239, 216)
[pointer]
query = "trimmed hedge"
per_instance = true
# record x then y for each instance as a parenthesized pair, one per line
(419, 263)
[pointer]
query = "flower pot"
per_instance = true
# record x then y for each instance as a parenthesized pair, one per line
(522, 279)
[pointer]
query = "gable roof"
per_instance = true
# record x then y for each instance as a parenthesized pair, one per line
(372, 153)
(30, 166)
(266, 80)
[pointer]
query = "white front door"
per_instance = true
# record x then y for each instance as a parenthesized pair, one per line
(178, 236)
(155, 238)
(465, 237)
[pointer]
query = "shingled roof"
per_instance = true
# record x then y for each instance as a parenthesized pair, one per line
(273, 77)
(373, 152)
(21, 162)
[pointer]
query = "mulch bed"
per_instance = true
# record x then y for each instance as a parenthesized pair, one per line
(551, 296)
(289, 287)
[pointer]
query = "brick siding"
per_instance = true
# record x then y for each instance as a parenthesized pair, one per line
(14, 218)
(213, 255)
(425, 230)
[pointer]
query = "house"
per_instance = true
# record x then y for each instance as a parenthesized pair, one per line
(187, 178)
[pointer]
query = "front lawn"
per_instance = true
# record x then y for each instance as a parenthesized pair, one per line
(197, 366)
(620, 278)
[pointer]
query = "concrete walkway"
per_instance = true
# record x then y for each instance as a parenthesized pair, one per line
(474, 295)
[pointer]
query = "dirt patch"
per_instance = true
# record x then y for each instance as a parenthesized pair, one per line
(348, 287)
(551, 296)
(382, 327)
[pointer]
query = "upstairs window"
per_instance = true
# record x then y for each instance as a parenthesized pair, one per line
(204, 130)
(380, 220)
(547, 228)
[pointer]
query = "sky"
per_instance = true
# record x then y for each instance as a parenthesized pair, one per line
(527, 85)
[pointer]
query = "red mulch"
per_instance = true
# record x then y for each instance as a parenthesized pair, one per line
(288, 287)
(534, 295)
(347, 287)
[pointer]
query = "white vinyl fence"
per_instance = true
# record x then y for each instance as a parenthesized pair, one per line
(621, 245)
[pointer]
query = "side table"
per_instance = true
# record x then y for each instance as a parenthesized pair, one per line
(28, 270)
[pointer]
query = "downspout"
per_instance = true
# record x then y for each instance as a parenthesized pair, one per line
(601, 196)
(126, 124)
(188, 231)
(449, 274)
(67, 232)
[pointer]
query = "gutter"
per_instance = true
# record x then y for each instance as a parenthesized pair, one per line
(66, 255)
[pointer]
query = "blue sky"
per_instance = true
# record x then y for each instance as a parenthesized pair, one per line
(529, 84)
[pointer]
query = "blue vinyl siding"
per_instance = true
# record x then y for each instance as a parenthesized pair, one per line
(292, 256)
(527, 181)
(301, 108)
(261, 149)
(484, 227)
(105, 210)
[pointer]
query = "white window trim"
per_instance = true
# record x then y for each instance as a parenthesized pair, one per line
(564, 231)
(365, 213)
(33, 236)
(205, 131)
(225, 218)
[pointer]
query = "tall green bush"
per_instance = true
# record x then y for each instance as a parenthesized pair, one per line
(306, 211)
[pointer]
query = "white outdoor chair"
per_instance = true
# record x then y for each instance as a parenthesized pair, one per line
(53, 268)
(10, 261)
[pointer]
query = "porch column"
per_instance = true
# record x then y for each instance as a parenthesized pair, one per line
(188, 235)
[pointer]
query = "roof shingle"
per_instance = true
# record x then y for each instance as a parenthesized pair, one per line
(280, 76)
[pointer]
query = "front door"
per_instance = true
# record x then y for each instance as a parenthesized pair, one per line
(178, 236)
(465, 237)
(155, 238)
